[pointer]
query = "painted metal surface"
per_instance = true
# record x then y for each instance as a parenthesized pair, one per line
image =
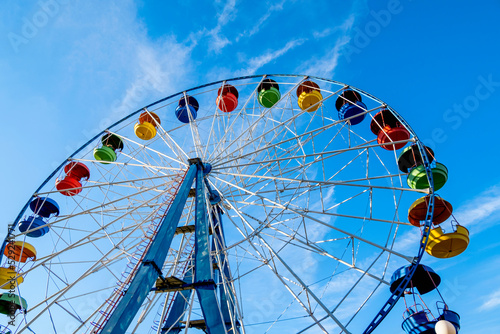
(203, 263)
(147, 273)
(173, 321)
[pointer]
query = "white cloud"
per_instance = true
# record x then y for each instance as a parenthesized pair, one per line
(256, 27)
(227, 13)
(157, 70)
(323, 33)
(325, 66)
(492, 302)
(215, 39)
(343, 28)
(480, 211)
(408, 242)
(218, 41)
(118, 60)
(257, 62)
(103, 64)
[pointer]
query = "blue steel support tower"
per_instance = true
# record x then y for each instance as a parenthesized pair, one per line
(218, 313)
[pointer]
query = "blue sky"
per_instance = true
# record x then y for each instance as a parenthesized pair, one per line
(68, 74)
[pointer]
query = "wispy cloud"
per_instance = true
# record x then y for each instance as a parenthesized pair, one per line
(227, 13)
(116, 66)
(215, 39)
(157, 70)
(343, 28)
(325, 65)
(408, 242)
(482, 211)
(257, 62)
(492, 302)
(219, 41)
(323, 33)
(256, 27)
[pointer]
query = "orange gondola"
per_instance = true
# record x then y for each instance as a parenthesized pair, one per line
(20, 251)
(418, 211)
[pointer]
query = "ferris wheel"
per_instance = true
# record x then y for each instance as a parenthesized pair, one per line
(260, 204)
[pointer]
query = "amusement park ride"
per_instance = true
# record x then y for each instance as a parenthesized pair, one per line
(168, 220)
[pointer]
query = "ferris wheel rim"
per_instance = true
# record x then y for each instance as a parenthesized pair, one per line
(129, 116)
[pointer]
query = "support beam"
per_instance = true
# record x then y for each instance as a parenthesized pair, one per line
(203, 264)
(226, 289)
(146, 275)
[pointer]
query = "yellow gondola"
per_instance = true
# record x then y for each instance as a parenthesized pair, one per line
(445, 245)
(309, 96)
(9, 278)
(146, 128)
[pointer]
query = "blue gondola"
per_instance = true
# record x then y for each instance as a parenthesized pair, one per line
(44, 207)
(35, 225)
(188, 106)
